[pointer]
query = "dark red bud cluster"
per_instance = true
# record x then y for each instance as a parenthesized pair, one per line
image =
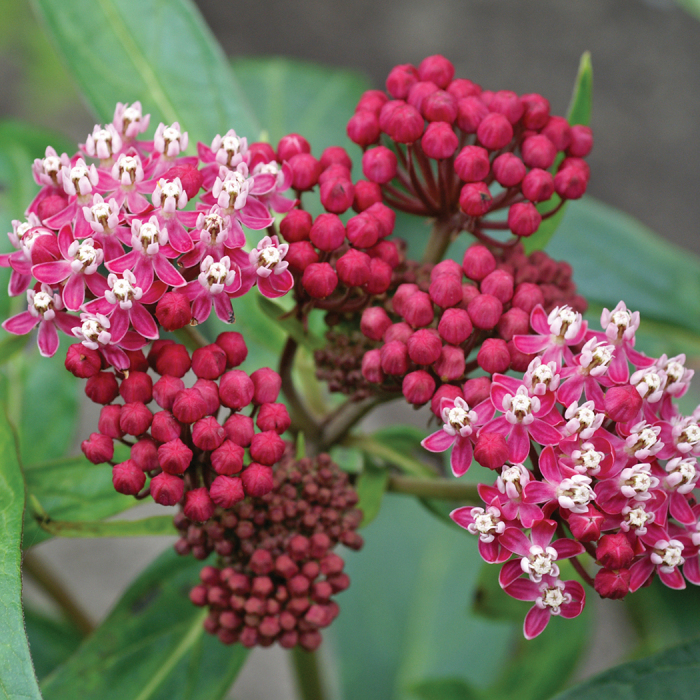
(279, 574)
(177, 442)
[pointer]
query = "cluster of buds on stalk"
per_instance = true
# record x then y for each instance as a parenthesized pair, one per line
(586, 450)
(443, 147)
(145, 236)
(278, 574)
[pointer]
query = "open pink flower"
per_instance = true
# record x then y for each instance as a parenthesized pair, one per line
(585, 374)
(23, 236)
(488, 524)
(212, 288)
(168, 143)
(94, 332)
(267, 258)
(129, 120)
(562, 329)
(129, 184)
(44, 309)
(105, 220)
(170, 196)
(664, 556)
(103, 143)
(633, 484)
(511, 491)
(228, 151)
(283, 181)
(551, 597)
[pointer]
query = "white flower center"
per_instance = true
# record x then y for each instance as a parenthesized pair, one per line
(542, 375)
(51, 165)
(268, 168)
(129, 115)
(485, 524)
(602, 356)
(214, 224)
(674, 371)
(640, 482)
(577, 489)
(217, 273)
(637, 517)
(511, 475)
(78, 172)
(585, 417)
(690, 434)
(30, 237)
(170, 189)
(123, 290)
(541, 564)
(269, 256)
(686, 469)
(233, 186)
(591, 459)
(553, 598)
(86, 254)
(521, 405)
(231, 144)
(622, 320)
(671, 556)
(43, 302)
(170, 133)
(148, 234)
(91, 329)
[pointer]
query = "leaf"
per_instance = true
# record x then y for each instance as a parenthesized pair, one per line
(492, 602)
(691, 6)
(161, 53)
(673, 672)
(11, 346)
(381, 450)
(579, 112)
(51, 641)
(289, 325)
(152, 646)
(72, 489)
(370, 487)
(17, 679)
(615, 257)
(444, 689)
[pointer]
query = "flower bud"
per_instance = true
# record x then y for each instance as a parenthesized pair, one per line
(485, 311)
(380, 274)
(82, 362)
(455, 326)
(327, 232)
(109, 421)
(398, 331)
(319, 280)
(296, 226)
(612, 584)
(379, 164)
(165, 427)
(273, 416)
(337, 195)
(420, 92)
(523, 219)
(475, 199)
(494, 131)
(418, 310)
(334, 172)
(447, 267)
(102, 388)
(300, 255)
(440, 106)
(538, 152)
(267, 448)
(190, 178)
(493, 356)
(144, 453)
(174, 456)
(536, 113)
(394, 358)
(447, 392)
(401, 295)
(198, 506)
(227, 459)
(290, 145)
(508, 170)
(127, 478)
(404, 125)
(585, 527)
(513, 322)
(519, 361)
(257, 480)
(472, 164)
(189, 406)
(418, 387)
(471, 111)
(363, 230)
(260, 152)
(446, 290)
(267, 385)
(167, 489)
(491, 450)
(499, 284)
(173, 360)
(239, 429)
(384, 216)
(236, 389)
(581, 141)
(437, 69)
(363, 128)
(538, 185)
(558, 132)
(305, 171)
(234, 346)
(372, 100)
(366, 194)
(374, 322)
(461, 87)
(226, 490)
(439, 140)
(451, 364)
(135, 418)
(527, 296)
(207, 434)
(98, 448)
(623, 403)
(508, 104)
(209, 362)
(335, 155)
(614, 551)
(372, 367)
(400, 80)
(137, 387)
(570, 183)
(476, 390)
(478, 262)
(388, 108)
(424, 347)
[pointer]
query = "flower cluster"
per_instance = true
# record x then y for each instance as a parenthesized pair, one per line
(280, 574)
(187, 454)
(145, 225)
(443, 147)
(585, 449)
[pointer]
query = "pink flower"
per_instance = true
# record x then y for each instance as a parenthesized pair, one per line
(585, 374)
(104, 219)
(583, 421)
(634, 483)
(129, 183)
(563, 328)
(170, 196)
(511, 491)
(488, 524)
(665, 556)
(129, 120)
(23, 236)
(215, 282)
(94, 332)
(213, 235)
(47, 170)
(283, 181)
(267, 258)
(103, 143)
(45, 309)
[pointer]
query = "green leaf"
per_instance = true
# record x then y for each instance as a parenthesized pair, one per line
(17, 679)
(289, 325)
(152, 646)
(72, 489)
(691, 6)
(671, 673)
(615, 257)
(579, 112)
(51, 641)
(492, 602)
(161, 53)
(370, 487)
(444, 689)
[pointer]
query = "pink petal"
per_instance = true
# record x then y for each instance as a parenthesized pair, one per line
(492, 552)
(514, 540)
(156, 291)
(619, 370)
(223, 308)
(542, 532)
(640, 572)
(143, 271)
(691, 569)
(549, 465)
(125, 262)
(538, 320)
(47, 339)
(201, 308)
(530, 514)
(638, 359)
(65, 238)
(52, 272)
(438, 441)
(21, 324)
(262, 184)
(535, 622)
(531, 344)
(66, 322)
(680, 509)
(543, 433)
(567, 548)
(65, 216)
(178, 237)
(18, 283)
(74, 292)
(673, 580)
(538, 492)
(498, 425)
(133, 341)
(518, 444)
(97, 284)
(463, 516)
(142, 321)
(167, 272)
(461, 458)
(510, 571)
(119, 323)
(523, 589)
(570, 390)
(112, 248)
(115, 356)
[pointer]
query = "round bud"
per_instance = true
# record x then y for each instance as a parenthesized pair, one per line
(403, 125)
(499, 284)
(570, 183)
(515, 321)
(363, 230)
(493, 356)
(418, 310)
(455, 326)
(189, 406)
(173, 311)
(137, 387)
(190, 178)
(585, 527)
(267, 447)
(475, 199)
(439, 140)
(472, 164)
(173, 360)
(394, 358)
(273, 416)
(419, 92)
(145, 455)
(447, 267)
(267, 385)
(109, 421)
(209, 362)
(198, 505)
(234, 346)
(98, 448)
(236, 389)
(485, 311)
(319, 280)
(536, 113)
(446, 290)
(380, 274)
(372, 367)
(327, 232)
(300, 255)
(102, 387)
(524, 219)
(558, 132)
(336, 154)
(508, 170)
(290, 145)
(239, 429)
(207, 434)
(476, 390)
(440, 106)
(519, 361)
(400, 80)
(372, 100)
(257, 480)
(296, 226)
(227, 459)
(363, 128)
(437, 69)
(398, 331)
(508, 104)
(418, 387)
(424, 347)
(614, 551)
(612, 584)
(366, 194)
(491, 450)
(478, 262)
(83, 362)
(451, 365)
(379, 164)
(401, 296)
(174, 456)
(581, 141)
(305, 171)
(167, 489)
(538, 152)
(337, 195)
(471, 111)
(623, 403)
(210, 393)
(374, 322)
(135, 418)
(461, 87)
(127, 478)
(445, 393)
(494, 131)
(527, 296)
(226, 490)
(538, 185)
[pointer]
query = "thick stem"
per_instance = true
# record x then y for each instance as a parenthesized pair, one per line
(439, 241)
(43, 577)
(581, 571)
(340, 422)
(308, 674)
(444, 489)
(191, 337)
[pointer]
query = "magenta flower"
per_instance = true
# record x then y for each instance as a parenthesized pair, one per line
(228, 151)
(77, 269)
(129, 184)
(23, 236)
(104, 219)
(680, 435)
(94, 330)
(283, 181)
(149, 256)
(214, 235)
(594, 458)
(585, 374)
(130, 121)
(103, 143)
(215, 282)
(170, 196)
(168, 143)
(488, 524)
(267, 258)
(582, 420)
(563, 328)
(635, 483)
(551, 597)
(511, 491)
(665, 556)
(44, 309)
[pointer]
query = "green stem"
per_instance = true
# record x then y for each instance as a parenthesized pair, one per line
(400, 460)
(443, 489)
(308, 674)
(439, 241)
(302, 420)
(43, 577)
(337, 425)
(191, 337)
